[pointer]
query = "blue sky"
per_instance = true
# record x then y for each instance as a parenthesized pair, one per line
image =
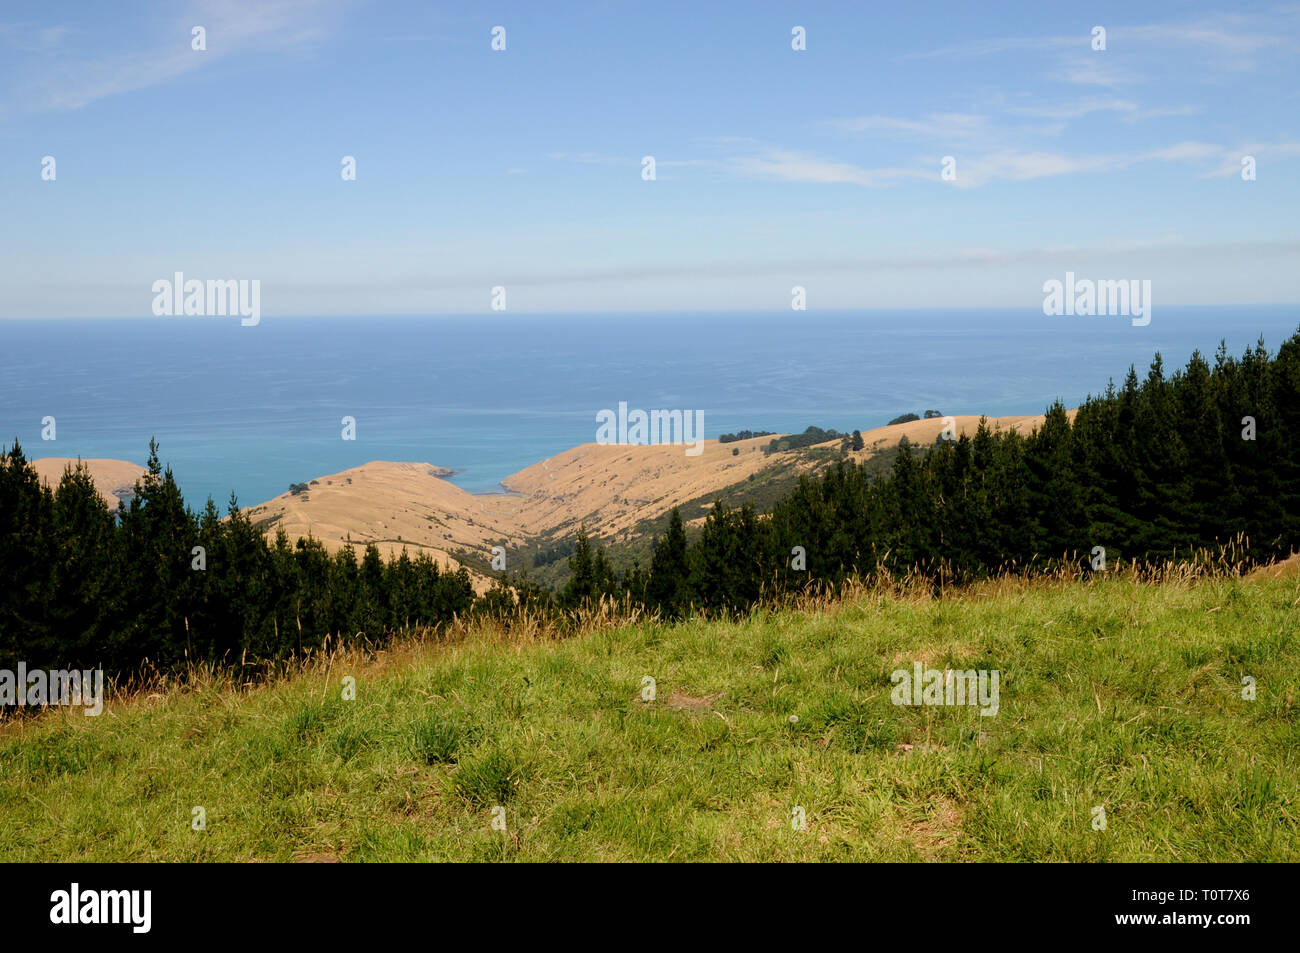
(522, 168)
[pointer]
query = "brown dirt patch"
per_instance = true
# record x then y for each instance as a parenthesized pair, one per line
(680, 701)
(939, 830)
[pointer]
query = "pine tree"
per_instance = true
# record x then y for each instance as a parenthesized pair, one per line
(81, 553)
(26, 555)
(667, 588)
(583, 585)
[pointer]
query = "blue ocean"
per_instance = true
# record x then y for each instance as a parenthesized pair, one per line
(254, 409)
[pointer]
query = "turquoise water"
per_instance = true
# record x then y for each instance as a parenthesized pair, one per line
(253, 409)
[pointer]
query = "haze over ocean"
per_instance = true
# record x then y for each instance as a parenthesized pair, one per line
(253, 409)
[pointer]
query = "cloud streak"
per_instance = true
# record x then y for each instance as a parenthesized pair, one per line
(68, 80)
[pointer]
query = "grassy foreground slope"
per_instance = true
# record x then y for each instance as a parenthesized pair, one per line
(1115, 693)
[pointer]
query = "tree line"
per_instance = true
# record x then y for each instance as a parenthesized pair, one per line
(1150, 471)
(1162, 468)
(156, 584)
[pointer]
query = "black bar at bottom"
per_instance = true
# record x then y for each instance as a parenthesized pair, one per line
(628, 903)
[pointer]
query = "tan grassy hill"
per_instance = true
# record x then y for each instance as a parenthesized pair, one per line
(612, 487)
(609, 487)
(396, 506)
(113, 478)
(926, 432)
(410, 505)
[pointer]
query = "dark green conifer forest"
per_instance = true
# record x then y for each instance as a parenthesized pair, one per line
(1164, 467)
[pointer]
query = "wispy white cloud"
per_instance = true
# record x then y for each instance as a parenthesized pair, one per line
(1018, 167)
(1012, 166)
(1170, 249)
(1234, 35)
(975, 166)
(1229, 160)
(1009, 44)
(66, 79)
(790, 166)
(1184, 151)
(1235, 48)
(763, 162)
(1162, 112)
(1093, 69)
(940, 126)
(29, 38)
(1126, 109)
(1078, 108)
(590, 158)
(1234, 40)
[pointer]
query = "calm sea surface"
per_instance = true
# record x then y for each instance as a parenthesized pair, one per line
(253, 409)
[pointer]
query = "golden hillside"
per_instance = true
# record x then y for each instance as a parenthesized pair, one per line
(396, 506)
(927, 431)
(113, 479)
(609, 487)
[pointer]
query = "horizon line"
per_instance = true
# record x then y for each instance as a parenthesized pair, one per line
(295, 315)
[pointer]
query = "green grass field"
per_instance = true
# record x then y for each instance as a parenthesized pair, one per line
(1113, 694)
